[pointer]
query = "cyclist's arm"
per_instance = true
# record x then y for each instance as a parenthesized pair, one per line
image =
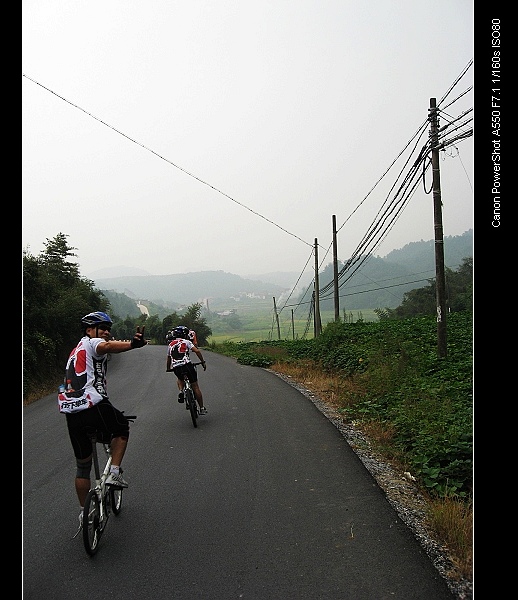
(200, 356)
(113, 347)
(168, 364)
(116, 347)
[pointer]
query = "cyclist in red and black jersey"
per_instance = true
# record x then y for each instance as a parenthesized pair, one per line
(179, 361)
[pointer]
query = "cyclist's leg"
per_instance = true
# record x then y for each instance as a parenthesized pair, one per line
(82, 481)
(115, 425)
(179, 371)
(82, 448)
(197, 392)
(118, 449)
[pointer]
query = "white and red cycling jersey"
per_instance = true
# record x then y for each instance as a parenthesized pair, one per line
(179, 350)
(192, 337)
(85, 375)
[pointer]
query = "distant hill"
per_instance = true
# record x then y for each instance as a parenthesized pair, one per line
(381, 282)
(188, 288)
(286, 279)
(420, 256)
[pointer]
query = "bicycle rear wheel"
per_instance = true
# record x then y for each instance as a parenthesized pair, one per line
(193, 407)
(91, 523)
(115, 499)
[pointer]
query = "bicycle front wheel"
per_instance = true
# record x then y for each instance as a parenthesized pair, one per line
(115, 499)
(193, 407)
(91, 523)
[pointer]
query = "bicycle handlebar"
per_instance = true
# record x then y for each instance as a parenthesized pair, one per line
(194, 364)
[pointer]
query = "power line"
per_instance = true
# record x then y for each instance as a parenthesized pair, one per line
(168, 161)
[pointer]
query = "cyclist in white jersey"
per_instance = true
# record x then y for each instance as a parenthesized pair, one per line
(179, 361)
(85, 402)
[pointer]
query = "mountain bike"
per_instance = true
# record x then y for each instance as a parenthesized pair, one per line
(102, 499)
(190, 400)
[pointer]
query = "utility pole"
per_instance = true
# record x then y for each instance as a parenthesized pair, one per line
(335, 272)
(292, 325)
(277, 319)
(318, 322)
(440, 285)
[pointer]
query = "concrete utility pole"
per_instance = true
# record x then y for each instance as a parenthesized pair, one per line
(318, 322)
(277, 319)
(335, 272)
(440, 285)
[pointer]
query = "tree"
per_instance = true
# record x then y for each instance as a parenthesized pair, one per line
(192, 319)
(422, 301)
(459, 286)
(55, 257)
(55, 298)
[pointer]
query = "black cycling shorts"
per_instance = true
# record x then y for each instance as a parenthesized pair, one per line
(104, 418)
(191, 371)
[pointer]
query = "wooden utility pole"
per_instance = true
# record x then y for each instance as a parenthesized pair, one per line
(318, 322)
(292, 324)
(335, 272)
(440, 285)
(277, 319)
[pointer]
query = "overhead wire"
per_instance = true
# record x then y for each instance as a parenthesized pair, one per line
(168, 161)
(376, 234)
(385, 219)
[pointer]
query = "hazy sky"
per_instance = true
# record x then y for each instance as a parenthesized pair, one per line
(224, 135)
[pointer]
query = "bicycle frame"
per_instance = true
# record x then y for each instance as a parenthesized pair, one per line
(96, 511)
(100, 487)
(102, 499)
(191, 404)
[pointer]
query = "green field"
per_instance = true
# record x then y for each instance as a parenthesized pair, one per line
(256, 322)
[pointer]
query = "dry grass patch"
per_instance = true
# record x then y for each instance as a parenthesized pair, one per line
(338, 392)
(453, 522)
(43, 390)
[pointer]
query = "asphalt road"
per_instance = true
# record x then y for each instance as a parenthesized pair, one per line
(264, 500)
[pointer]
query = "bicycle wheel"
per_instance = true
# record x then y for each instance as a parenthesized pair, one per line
(91, 523)
(115, 499)
(193, 407)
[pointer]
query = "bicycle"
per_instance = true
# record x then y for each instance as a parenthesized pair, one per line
(102, 499)
(190, 400)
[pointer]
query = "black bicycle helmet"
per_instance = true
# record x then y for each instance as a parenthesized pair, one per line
(181, 332)
(169, 336)
(95, 318)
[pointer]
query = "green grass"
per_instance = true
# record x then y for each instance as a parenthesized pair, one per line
(258, 323)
